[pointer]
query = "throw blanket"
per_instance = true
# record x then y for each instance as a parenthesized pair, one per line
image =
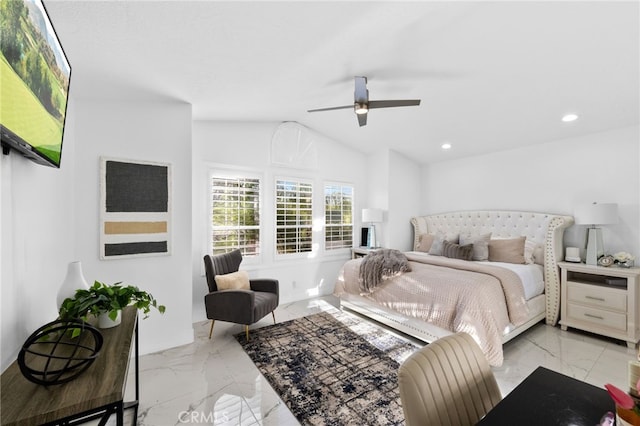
(453, 294)
(381, 265)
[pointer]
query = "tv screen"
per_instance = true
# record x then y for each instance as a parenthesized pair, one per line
(34, 82)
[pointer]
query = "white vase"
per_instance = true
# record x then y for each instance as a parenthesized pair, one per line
(72, 282)
(105, 322)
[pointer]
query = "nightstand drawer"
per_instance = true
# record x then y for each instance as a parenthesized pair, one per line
(599, 296)
(600, 317)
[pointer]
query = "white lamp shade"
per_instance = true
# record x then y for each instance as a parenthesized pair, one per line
(596, 214)
(371, 215)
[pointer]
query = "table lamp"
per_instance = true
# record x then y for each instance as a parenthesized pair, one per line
(595, 214)
(371, 216)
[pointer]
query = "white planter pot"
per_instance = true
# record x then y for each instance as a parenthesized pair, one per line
(105, 322)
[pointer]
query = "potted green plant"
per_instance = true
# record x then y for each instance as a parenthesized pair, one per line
(106, 302)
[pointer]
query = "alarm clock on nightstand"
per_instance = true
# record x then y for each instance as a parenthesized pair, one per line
(605, 261)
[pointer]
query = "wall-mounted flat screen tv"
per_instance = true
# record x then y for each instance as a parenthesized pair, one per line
(34, 83)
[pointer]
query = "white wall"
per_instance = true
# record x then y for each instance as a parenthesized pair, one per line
(159, 132)
(378, 193)
(248, 146)
(404, 200)
(394, 185)
(37, 232)
(551, 177)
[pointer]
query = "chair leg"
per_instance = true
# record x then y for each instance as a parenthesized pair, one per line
(211, 329)
(246, 332)
(274, 316)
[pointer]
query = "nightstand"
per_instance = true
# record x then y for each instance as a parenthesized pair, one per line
(357, 252)
(602, 300)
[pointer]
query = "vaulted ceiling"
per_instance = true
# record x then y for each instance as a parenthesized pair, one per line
(491, 75)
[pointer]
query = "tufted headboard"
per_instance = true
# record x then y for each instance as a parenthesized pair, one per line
(545, 229)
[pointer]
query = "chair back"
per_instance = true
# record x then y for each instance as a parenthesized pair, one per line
(221, 264)
(448, 382)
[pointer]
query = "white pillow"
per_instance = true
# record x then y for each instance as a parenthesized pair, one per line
(233, 281)
(533, 252)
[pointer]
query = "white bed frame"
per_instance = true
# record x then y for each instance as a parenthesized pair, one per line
(545, 229)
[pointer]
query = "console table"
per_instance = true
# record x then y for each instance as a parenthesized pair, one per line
(96, 393)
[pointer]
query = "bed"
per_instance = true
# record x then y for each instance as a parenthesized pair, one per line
(494, 301)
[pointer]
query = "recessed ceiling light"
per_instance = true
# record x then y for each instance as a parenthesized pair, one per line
(567, 118)
(446, 146)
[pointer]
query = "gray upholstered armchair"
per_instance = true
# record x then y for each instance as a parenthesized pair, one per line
(238, 306)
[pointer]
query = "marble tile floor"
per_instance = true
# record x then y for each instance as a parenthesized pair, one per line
(215, 382)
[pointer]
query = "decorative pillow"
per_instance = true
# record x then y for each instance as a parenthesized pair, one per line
(509, 250)
(457, 251)
(533, 252)
(480, 245)
(424, 242)
(233, 281)
(438, 239)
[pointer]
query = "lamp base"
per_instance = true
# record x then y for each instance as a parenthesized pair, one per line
(371, 237)
(595, 248)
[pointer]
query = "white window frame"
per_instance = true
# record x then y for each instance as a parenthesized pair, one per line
(297, 225)
(352, 225)
(226, 173)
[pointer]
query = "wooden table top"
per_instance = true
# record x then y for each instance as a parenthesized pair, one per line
(27, 403)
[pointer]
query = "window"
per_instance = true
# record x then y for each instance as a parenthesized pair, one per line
(338, 214)
(235, 215)
(294, 216)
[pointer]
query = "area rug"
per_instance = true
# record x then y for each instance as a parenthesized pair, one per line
(329, 374)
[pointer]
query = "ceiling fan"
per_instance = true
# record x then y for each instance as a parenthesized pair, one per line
(362, 104)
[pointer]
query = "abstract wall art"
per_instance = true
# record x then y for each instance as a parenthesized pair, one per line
(135, 214)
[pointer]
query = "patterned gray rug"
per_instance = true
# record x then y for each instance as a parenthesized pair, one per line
(329, 374)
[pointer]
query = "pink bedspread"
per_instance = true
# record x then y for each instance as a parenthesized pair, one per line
(453, 294)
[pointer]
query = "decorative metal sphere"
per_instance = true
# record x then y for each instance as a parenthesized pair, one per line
(51, 356)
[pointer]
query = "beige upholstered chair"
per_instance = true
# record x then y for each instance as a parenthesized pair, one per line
(448, 382)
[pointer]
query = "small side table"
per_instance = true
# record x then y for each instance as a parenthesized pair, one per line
(357, 252)
(602, 300)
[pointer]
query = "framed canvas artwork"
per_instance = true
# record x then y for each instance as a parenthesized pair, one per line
(135, 213)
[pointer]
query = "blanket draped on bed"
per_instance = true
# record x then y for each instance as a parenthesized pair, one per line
(453, 294)
(380, 265)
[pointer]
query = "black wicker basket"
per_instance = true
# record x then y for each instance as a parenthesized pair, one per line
(51, 356)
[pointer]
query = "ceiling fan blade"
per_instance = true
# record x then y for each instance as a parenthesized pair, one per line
(361, 93)
(362, 119)
(394, 103)
(331, 108)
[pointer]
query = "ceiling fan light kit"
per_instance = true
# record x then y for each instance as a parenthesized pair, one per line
(361, 108)
(362, 104)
